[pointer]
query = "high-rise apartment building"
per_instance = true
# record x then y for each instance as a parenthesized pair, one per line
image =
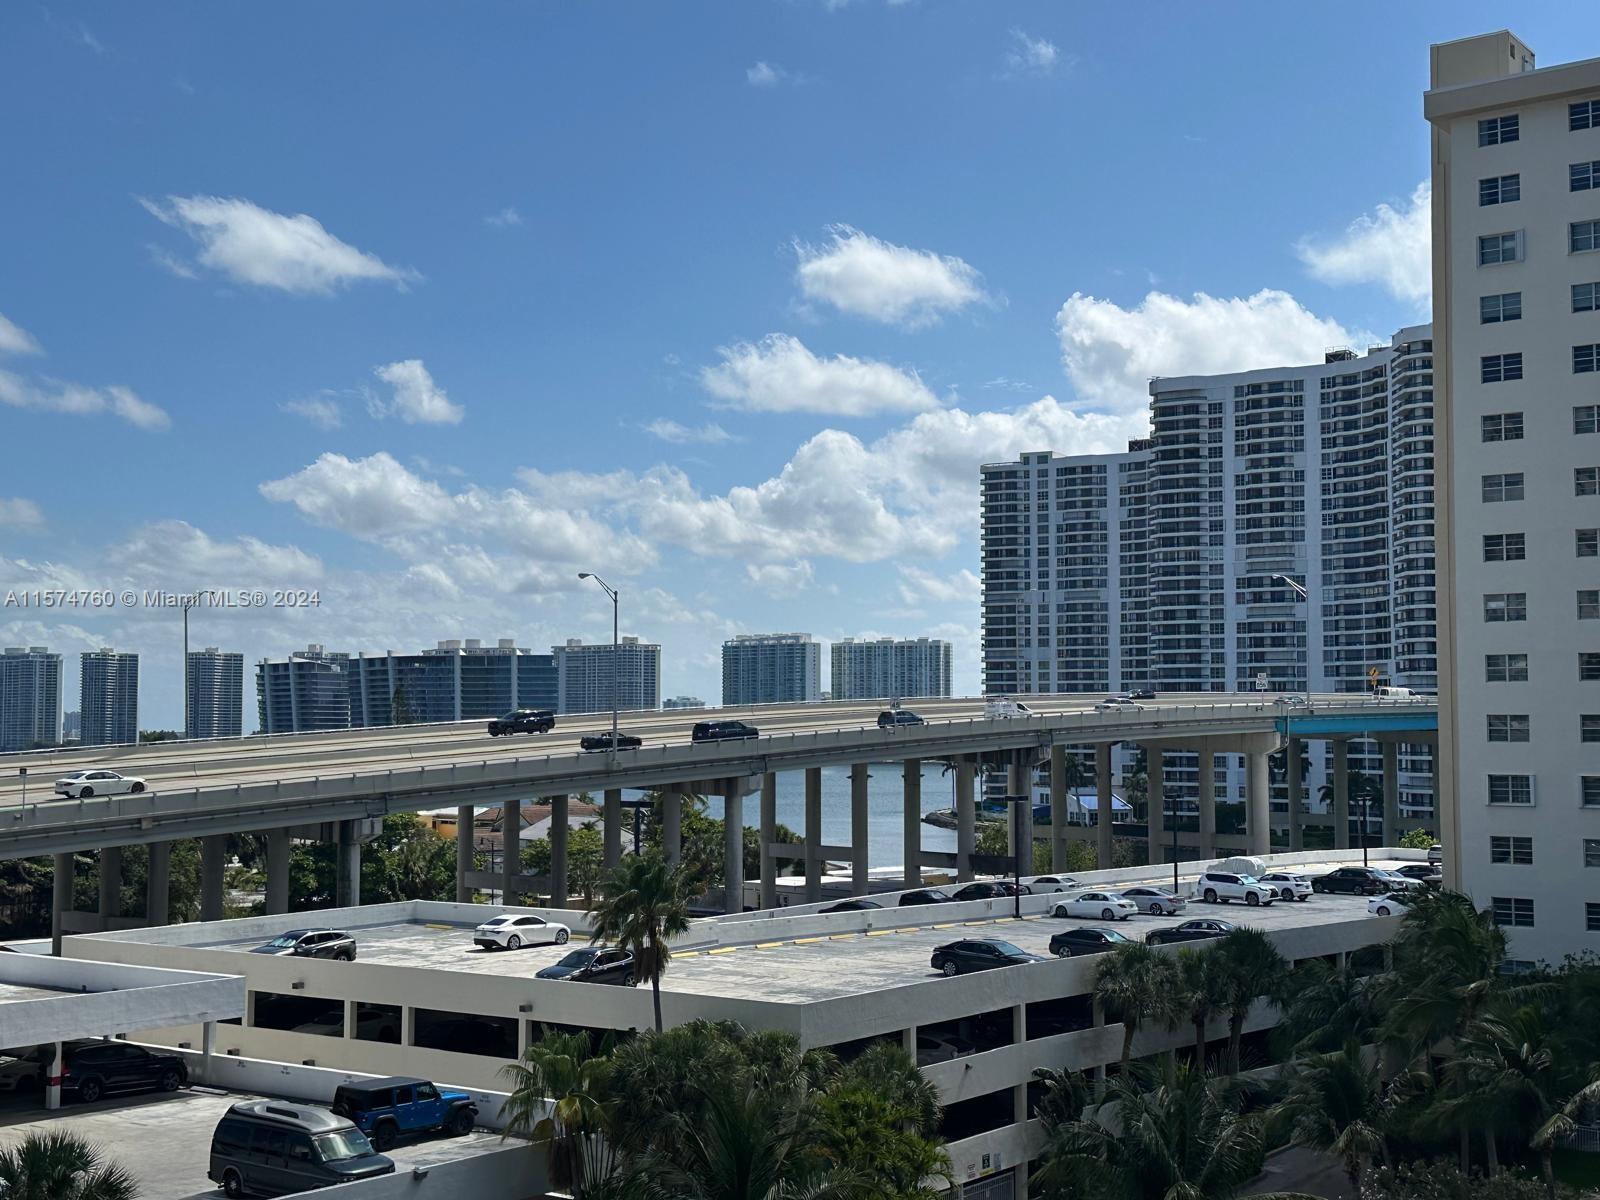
(771, 668)
(109, 697)
(456, 681)
(214, 693)
(1516, 289)
(308, 691)
(30, 698)
(889, 668)
(587, 674)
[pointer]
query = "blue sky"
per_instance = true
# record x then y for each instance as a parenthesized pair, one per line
(429, 307)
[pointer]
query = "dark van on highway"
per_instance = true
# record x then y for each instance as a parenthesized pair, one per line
(273, 1148)
(723, 731)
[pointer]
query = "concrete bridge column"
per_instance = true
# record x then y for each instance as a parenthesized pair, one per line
(1156, 794)
(1296, 786)
(277, 871)
(60, 898)
(813, 834)
(1104, 816)
(1019, 782)
(966, 820)
(1341, 794)
(611, 833)
(1207, 802)
(1391, 794)
(510, 849)
(1058, 809)
(110, 871)
(347, 866)
(158, 878)
(733, 846)
(672, 825)
(768, 825)
(911, 825)
(466, 830)
(1258, 802)
(559, 815)
(858, 830)
(1433, 781)
(213, 875)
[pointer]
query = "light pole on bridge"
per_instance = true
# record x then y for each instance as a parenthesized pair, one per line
(616, 651)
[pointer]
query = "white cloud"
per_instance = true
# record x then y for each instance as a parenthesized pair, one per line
(861, 275)
(1111, 353)
(176, 550)
(780, 375)
(780, 579)
(504, 219)
(1029, 55)
(87, 37)
(18, 513)
(765, 75)
(253, 245)
(1390, 246)
(918, 585)
(417, 400)
(372, 497)
(16, 340)
(171, 263)
(82, 401)
(321, 410)
(710, 434)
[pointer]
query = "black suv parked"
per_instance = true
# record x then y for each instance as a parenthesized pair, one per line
(990, 889)
(93, 1069)
(722, 731)
(1361, 881)
(523, 720)
(924, 896)
(594, 964)
(311, 943)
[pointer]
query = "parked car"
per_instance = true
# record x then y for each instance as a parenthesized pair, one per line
(989, 889)
(1436, 855)
(1288, 884)
(91, 1069)
(1142, 694)
(924, 896)
(80, 785)
(523, 720)
(1003, 706)
(23, 1068)
(1119, 704)
(1223, 886)
(1158, 902)
(1045, 884)
(602, 741)
(1395, 904)
(1241, 865)
(722, 731)
(1086, 939)
(594, 964)
(979, 954)
(383, 1109)
(1424, 873)
(311, 943)
(940, 1047)
(512, 931)
(273, 1147)
(1108, 906)
(854, 904)
(1398, 881)
(1360, 881)
(890, 717)
(1197, 930)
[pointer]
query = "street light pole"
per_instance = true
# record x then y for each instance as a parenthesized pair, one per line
(1174, 836)
(616, 652)
(188, 602)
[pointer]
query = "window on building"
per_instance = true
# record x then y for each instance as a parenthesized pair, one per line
(1511, 789)
(1587, 542)
(1591, 916)
(1583, 358)
(1583, 236)
(1498, 488)
(1499, 607)
(1513, 910)
(1586, 481)
(1589, 604)
(1588, 666)
(1589, 727)
(1511, 849)
(1591, 852)
(1505, 668)
(1582, 177)
(1504, 547)
(1495, 131)
(1585, 418)
(1589, 791)
(1507, 306)
(1499, 189)
(1496, 248)
(1502, 427)
(1508, 727)
(1585, 114)
(1500, 368)
(1585, 297)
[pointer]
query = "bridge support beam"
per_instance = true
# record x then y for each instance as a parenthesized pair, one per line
(510, 850)
(158, 879)
(347, 865)
(733, 846)
(966, 819)
(1258, 802)
(559, 818)
(110, 872)
(1156, 801)
(466, 831)
(1341, 794)
(1434, 825)
(1104, 812)
(1391, 794)
(911, 822)
(1208, 801)
(611, 836)
(1058, 809)
(768, 830)
(1296, 785)
(1019, 782)
(859, 861)
(813, 891)
(672, 825)
(60, 897)
(213, 875)
(277, 871)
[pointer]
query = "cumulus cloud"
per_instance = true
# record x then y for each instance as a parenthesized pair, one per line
(16, 340)
(859, 274)
(765, 75)
(779, 374)
(1111, 353)
(321, 410)
(1390, 246)
(18, 513)
(1030, 55)
(710, 434)
(253, 245)
(918, 586)
(780, 579)
(178, 550)
(416, 399)
(77, 399)
(504, 219)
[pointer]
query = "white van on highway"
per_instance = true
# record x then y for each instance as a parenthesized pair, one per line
(1003, 706)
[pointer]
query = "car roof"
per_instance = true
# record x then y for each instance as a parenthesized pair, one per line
(388, 1081)
(312, 1120)
(300, 932)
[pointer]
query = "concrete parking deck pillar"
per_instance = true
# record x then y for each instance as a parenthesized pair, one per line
(1341, 794)
(466, 831)
(733, 847)
(1391, 794)
(60, 898)
(213, 875)
(277, 871)
(1058, 809)
(1104, 813)
(611, 837)
(813, 834)
(1433, 786)
(559, 814)
(52, 1085)
(347, 866)
(1258, 802)
(110, 871)
(1019, 782)
(859, 861)
(1296, 787)
(510, 849)
(672, 826)
(911, 822)
(1156, 801)
(966, 820)
(1207, 801)
(157, 880)
(767, 827)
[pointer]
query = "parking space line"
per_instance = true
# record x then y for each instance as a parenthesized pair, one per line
(723, 950)
(807, 941)
(879, 932)
(768, 945)
(950, 926)
(841, 937)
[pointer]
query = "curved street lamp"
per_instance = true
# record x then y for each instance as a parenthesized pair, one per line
(615, 650)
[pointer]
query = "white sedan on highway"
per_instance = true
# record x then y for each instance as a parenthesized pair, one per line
(512, 931)
(97, 783)
(1104, 906)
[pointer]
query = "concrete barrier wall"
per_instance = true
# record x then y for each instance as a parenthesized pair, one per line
(515, 1173)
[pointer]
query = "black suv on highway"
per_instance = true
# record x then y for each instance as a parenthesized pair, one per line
(890, 717)
(93, 1069)
(523, 720)
(722, 731)
(311, 943)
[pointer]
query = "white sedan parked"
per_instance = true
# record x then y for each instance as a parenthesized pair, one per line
(510, 931)
(1106, 906)
(97, 783)
(1045, 884)
(1158, 902)
(1392, 905)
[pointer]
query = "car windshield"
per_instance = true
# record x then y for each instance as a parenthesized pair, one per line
(578, 958)
(1006, 948)
(284, 941)
(1248, 879)
(345, 1144)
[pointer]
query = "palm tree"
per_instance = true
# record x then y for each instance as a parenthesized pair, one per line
(1325, 1006)
(1134, 983)
(1251, 968)
(1335, 1102)
(642, 906)
(59, 1165)
(880, 1114)
(1200, 995)
(1560, 1125)
(560, 1098)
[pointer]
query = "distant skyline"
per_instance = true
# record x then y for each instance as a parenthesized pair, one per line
(429, 310)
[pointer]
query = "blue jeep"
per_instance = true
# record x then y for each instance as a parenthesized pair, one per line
(383, 1109)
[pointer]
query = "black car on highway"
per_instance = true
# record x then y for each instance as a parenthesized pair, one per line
(93, 1069)
(311, 943)
(1357, 881)
(924, 896)
(1087, 939)
(890, 717)
(990, 889)
(594, 964)
(602, 741)
(1190, 931)
(1142, 694)
(979, 954)
(523, 720)
(722, 731)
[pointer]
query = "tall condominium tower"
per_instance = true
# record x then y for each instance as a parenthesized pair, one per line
(215, 693)
(30, 698)
(586, 675)
(887, 669)
(308, 691)
(456, 681)
(771, 668)
(109, 684)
